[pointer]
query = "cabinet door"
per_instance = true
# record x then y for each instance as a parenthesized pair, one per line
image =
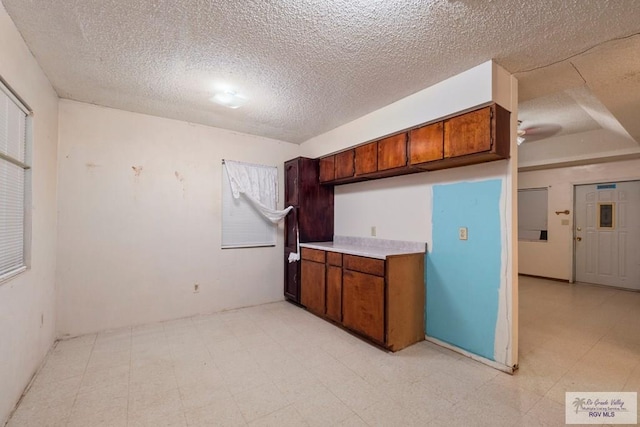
(291, 278)
(344, 164)
(290, 230)
(291, 182)
(327, 168)
(468, 134)
(367, 158)
(426, 144)
(392, 152)
(312, 286)
(334, 293)
(363, 304)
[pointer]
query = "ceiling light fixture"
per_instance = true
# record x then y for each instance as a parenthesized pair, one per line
(229, 99)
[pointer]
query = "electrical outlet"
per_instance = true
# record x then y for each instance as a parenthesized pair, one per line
(196, 288)
(373, 231)
(463, 233)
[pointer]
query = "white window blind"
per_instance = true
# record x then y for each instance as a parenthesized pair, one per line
(532, 214)
(242, 224)
(13, 178)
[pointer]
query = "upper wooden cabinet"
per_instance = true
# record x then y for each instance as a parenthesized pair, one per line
(467, 134)
(367, 158)
(426, 144)
(337, 166)
(478, 136)
(392, 152)
(345, 164)
(328, 168)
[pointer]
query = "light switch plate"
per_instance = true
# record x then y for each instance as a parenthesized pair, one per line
(463, 233)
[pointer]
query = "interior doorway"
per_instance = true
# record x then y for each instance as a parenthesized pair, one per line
(607, 234)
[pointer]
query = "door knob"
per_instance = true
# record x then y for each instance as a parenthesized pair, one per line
(579, 229)
(579, 239)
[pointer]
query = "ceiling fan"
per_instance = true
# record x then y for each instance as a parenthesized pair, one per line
(536, 132)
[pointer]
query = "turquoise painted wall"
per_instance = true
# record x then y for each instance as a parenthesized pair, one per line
(463, 276)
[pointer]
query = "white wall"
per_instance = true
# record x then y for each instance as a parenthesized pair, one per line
(27, 314)
(459, 93)
(132, 245)
(581, 148)
(400, 207)
(554, 258)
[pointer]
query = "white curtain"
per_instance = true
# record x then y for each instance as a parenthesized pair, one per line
(259, 184)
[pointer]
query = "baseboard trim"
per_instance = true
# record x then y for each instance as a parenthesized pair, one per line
(499, 366)
(555, 279)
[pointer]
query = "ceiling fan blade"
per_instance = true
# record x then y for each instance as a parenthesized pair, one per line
(541, 131)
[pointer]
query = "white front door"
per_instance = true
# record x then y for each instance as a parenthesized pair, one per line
(607, 234)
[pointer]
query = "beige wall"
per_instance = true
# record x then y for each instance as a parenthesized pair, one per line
(132, 244)
(27, 314)
(554, 258)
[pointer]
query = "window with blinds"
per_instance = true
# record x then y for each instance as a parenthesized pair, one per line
(242, 225)
(532, 214)
(14, 177)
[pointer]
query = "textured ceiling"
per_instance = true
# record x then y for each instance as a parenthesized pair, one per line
(306, 66)
(554, 115)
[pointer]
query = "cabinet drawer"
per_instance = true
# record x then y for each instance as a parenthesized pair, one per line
(334, 258)
(313, 255)
(364, 265)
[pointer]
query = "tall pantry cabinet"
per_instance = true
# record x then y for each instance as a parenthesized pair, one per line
(311, 219)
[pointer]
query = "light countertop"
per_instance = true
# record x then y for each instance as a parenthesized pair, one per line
(368, 247)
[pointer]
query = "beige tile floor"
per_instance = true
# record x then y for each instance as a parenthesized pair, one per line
(276, 365)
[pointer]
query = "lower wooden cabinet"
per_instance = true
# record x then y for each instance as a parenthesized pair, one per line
(312, 294)
(382, 300)
(334, 293)
(363, 301)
